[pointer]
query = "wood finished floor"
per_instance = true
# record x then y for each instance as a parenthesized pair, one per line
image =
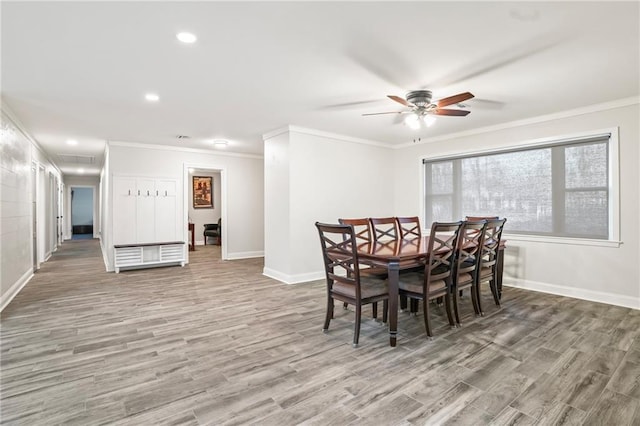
(218, 343)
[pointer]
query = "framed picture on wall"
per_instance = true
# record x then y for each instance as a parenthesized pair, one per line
(202, 192)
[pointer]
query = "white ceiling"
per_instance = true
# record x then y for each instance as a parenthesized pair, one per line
(81, 69)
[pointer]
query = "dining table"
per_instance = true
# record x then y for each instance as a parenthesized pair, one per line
(400, 254)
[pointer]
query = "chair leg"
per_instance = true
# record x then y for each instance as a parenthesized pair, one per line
(455, 305)
(427, 324)
(345, 305)
(478, 298)
(356, 331)
(474, 298)
(499, 272)
(385, 312)
(494, 291)
(413, 306)
(329, 315)
(403, 302)
(447, 301)
(374, 308)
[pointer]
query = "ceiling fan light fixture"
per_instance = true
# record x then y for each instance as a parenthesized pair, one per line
(413, 121)
(429, 120)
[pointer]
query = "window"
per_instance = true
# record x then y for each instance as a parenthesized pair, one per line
(556, 189)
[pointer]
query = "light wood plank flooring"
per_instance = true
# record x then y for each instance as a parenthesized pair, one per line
(218, 343)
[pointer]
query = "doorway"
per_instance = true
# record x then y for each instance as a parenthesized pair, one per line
(82, 213)
(198, 214)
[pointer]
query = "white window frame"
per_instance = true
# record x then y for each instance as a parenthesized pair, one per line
(613, 239)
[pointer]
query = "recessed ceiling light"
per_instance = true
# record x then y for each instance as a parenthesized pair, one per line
(72, 142)
(524, 14)
(152, 97)
(186, 37)
(81, 171)
(220, 143)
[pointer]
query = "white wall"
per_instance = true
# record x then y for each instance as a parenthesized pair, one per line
(82, 182)
(244, 173)
(201, 216)
(315, 176)
(607, 274)
(277, 251)
(17, 154)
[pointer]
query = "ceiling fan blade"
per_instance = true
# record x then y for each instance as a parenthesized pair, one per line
(380, 113)
(460, 97)
(401, 101)
(452, 112)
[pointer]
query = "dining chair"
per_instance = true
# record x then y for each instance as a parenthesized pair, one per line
(409, 227)
(384, 228)
(362, 232)
(342, 269)
(436, 279)
(488, 268)
(467, 262)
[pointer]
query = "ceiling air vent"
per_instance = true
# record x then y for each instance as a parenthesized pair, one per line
(77, 159)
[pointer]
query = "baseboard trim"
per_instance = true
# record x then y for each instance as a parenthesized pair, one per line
(576, 293)
(293, 279)
(15, 289)
(244, 255)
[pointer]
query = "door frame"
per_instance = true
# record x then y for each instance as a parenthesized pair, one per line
(223, 200)
(68, 230)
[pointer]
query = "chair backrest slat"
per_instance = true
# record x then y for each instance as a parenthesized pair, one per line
(479, 218)
(361, 228)
(384, 228)
(409, 227)
(443, 240)
(470, 243)
(492, 237)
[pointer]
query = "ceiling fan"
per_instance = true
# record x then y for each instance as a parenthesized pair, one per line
(421, 107)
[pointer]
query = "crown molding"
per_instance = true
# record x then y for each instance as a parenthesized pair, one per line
(182, 149)
(323, 134)
(634, 100)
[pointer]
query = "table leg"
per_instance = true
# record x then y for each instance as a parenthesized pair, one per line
(392, 283)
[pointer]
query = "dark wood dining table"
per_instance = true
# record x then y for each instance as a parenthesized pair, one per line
(400, 254)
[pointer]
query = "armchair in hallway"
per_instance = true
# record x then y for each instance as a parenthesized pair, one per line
(213, 230)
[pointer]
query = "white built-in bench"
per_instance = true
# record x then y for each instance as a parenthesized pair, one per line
(149, 255)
